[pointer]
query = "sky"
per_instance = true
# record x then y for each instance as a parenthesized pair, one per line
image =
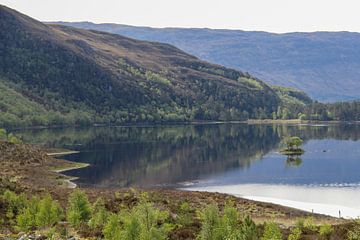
(263, 15)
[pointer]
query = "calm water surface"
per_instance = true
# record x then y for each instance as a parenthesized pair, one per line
(239, 159)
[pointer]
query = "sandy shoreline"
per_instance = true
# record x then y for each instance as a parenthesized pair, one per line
(331, 201)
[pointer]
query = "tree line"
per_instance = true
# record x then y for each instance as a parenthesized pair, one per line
(340, 111)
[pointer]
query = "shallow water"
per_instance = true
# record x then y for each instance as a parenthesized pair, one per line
(239, 159)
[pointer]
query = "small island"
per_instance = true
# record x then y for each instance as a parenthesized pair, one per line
(292, 146)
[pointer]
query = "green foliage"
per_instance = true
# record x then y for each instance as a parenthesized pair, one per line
(132, 227)
(112, 230)
(292, 142)
(354, 233)
(100, 214)
(14, 203)
(49, 212)
(185, 217)
(251, 82)
(210, 222)
(300, 223)
(249, 230)
(229, 223)
(45, 83)
(13, 139)
(150, 218)
(229, 226)
(295, 234)
(79, 208)
(33, 213)
(326, 230)
(142, 222)
(271, 231)
(9, 137)
(309, 224)
(3, 135)
(151, 76)
(26, 220)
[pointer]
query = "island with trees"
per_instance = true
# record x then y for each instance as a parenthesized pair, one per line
(293, 146)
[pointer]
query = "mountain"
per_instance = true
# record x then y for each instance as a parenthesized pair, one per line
(54, 75)
(323, 64)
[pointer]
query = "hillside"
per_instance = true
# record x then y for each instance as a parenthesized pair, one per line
(73, 76)
(323, 64)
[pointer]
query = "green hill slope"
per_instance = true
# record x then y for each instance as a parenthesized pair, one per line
(83, 76)
(323, 64)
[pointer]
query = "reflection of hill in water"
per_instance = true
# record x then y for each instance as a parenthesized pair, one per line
(149, 156)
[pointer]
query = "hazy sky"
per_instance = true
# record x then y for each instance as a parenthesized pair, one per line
(267, 15)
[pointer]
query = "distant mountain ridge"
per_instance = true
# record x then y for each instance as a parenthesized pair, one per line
(54, 75)
(326, 65)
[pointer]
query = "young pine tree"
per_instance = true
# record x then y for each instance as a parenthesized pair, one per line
(100, 214)
(14, 204)
(49, 212)
(26, 220)
(152, 221)
(79, 208)
(248, 229)
(210, 223)
(112, 229)
(272, 231)
(229, 224)
(131, 227)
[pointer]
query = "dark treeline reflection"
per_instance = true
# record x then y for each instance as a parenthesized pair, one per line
(166, 155)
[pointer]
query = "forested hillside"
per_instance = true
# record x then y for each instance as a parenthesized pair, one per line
(55, 75)
(323, 64)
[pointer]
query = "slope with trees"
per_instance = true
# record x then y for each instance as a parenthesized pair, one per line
(323, 64)
(75, 76)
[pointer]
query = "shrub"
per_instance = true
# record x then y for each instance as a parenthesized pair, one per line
(271, 231)
(100, 214)
(326, 230)
(14, 203)
(185, 217)
(295, 234)
(79, 209)
(112, 230)
(228, 226)
(248, 229)
(49, 212)
(131, 228)
(39, 213)
(3, 135)
(26, 220)
(210, 221)
(309, 224)
(354, 233)
(300, 223)
(229, 223)
(152, 221)
(13, 139)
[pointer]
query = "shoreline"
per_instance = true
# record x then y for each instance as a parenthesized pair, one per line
(54, 154)
(315, 208)
(199, 122)
(69, 179)
(312, 199)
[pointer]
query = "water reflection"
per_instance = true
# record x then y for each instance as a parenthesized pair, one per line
(293, 161)
(223, 153)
